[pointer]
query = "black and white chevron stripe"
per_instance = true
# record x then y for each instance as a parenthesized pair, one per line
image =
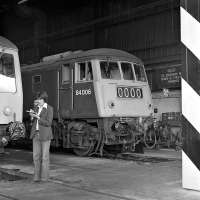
(190, 38)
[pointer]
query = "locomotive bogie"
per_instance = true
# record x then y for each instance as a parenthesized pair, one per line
(122, 130)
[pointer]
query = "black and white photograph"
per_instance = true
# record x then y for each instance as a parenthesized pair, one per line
(99, 100)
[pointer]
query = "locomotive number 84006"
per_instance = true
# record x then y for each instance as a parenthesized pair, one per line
(83, 92)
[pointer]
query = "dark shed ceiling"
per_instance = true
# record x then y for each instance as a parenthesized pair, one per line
(8, 5)
(47, 5)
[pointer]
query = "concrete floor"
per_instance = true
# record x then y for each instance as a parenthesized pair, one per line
(77, 178)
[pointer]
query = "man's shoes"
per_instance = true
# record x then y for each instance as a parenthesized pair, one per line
(44, 180)
(36, 179)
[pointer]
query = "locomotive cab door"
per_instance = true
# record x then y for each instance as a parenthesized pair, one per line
(66, 90)
(84, 95)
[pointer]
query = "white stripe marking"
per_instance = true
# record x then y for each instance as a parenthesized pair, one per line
(190, 105)
(190, 32)
(190, 174)
(190, 37)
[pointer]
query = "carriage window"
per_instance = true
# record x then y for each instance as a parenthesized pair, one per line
(7, 73)
(65, 73)
(36, 79)
(85, 71)
(140, 73)
(127, 71)
(36, 83)
(110, 70)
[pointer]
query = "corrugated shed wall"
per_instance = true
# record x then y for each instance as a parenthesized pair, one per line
(149, 29)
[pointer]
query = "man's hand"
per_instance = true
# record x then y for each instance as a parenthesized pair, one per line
(33, 114)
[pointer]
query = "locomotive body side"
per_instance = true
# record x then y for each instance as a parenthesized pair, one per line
(35, 80)
(78, 90)
(68, 96)
(72, 99)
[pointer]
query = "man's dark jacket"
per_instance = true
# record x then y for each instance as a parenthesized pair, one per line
(45, 121)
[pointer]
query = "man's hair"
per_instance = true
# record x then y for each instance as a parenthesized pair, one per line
(42, 95)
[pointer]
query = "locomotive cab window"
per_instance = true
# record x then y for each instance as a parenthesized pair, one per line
(110, 70)
(140, 73)
(127, 71)
(65, 73)
(84, 71)
(7, 73)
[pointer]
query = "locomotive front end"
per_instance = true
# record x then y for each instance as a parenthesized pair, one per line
(124, 101)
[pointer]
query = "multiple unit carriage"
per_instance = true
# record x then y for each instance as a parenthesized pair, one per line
(101, 97)
(11, 97)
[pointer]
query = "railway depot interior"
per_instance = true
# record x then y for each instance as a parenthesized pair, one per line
(146, 29)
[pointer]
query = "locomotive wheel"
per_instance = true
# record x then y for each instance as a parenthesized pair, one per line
(87, 145)
(83, 151)
(150, 140)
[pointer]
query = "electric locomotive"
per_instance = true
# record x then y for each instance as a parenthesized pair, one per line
(11, 96)
(101, 98)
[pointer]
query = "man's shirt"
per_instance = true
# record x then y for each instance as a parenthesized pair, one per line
(39, 111)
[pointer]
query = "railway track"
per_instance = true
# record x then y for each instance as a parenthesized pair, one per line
(66, 184)
(137, 157)
(7, 197)
(78, 187)
(90, 190)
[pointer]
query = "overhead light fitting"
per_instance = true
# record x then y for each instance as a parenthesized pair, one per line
(22, 1)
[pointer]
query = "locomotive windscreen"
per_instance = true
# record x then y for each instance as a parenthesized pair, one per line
(140, 73)
(129, 71)
(110, 70)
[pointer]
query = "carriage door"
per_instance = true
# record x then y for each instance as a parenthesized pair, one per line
(65, 90)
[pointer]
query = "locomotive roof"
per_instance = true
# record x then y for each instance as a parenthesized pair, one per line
(105, 52)
(102, 53)
(6, 43)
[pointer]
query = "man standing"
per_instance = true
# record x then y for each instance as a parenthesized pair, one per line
(41, 134)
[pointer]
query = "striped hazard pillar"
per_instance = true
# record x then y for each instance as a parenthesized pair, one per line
(190, 41)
